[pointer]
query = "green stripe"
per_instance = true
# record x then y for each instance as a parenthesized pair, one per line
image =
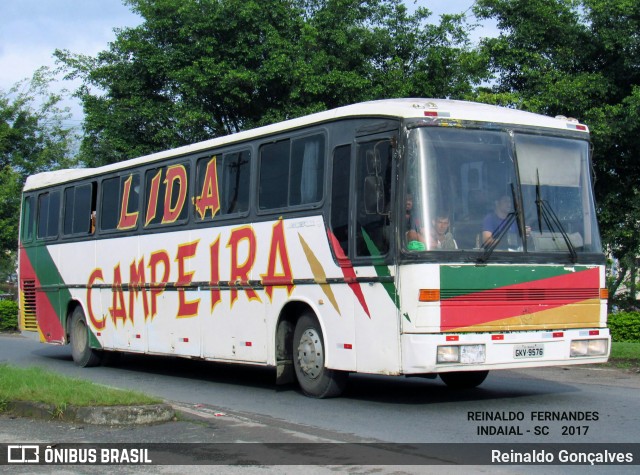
(381, 269)
(461, 280)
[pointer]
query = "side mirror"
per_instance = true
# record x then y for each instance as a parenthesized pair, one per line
(374, 162)
(374, 195)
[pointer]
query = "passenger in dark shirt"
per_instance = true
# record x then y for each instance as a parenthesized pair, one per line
(494, 221)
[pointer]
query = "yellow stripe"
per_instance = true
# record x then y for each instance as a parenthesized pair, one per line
(318, 273)
(582, 314)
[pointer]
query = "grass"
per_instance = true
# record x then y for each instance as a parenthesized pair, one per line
(39, 385)
(629, 351)
(625, 354)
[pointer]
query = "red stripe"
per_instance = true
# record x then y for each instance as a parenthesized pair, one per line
(348, 272)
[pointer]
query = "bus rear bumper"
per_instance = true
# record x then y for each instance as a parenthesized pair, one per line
(439, 353)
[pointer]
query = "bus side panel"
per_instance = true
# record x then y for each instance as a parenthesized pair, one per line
(46, 285)
(125, 323)
(217, 293)
(305, 249)
(72, 261)
(377, 325)
(419, 316)
(232, 316)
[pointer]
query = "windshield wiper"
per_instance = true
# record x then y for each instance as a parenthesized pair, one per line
(546, 213)
(497, 235)
(503, 228)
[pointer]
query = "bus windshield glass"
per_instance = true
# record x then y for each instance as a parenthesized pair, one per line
(486, 190)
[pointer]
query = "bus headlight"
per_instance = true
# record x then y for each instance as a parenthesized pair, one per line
(448, 354)
(466, 354)
(588, 348)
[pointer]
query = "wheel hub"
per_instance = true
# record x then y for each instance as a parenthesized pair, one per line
(310, 353)
(79, 336)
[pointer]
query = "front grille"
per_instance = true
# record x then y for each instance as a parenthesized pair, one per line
(519, 295)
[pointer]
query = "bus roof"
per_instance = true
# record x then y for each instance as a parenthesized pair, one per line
(396, 108)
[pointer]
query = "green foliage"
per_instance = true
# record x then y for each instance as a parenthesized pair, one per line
(625, 326)
(8, 316)
(196, 70)
(33, 138)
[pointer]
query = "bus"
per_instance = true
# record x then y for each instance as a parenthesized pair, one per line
(414, 237)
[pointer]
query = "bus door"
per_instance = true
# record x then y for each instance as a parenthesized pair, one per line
(376, 311)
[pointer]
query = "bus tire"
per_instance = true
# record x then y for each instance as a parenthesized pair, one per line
(82, 353)
(308, 360)
(464, 379)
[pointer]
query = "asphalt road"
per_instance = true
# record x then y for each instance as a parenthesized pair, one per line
(228, 403)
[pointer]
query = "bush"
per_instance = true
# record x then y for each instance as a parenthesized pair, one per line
(8, 316)
(625, 326)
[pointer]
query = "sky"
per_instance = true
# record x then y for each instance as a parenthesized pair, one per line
(31, 30)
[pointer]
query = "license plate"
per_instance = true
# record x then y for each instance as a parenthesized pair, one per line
(528, 351)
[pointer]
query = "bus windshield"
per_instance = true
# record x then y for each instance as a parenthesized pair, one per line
(470, 189)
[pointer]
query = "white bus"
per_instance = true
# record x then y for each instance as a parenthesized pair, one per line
(411, 237)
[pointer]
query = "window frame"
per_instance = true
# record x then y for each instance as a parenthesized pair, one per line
(188, 164)
(197, 186)
(48, 237)
(292, 139)
(28, 223)
(75, 187)
(358, 198)
(349, 147)
(122, 176)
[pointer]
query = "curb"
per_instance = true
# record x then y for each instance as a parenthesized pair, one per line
(98, 415)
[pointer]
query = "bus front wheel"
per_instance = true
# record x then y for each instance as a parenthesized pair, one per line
(464, 379)
(314, 378)
(81, 351)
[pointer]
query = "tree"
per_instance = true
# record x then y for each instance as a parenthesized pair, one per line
(194, 70)
(32, 139)
(580, 58)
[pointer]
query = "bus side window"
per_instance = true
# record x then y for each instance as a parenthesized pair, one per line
(48, 214)
(119, 205)
(110, 204)
(78, 202)
(340, 192)
(27, 219)
(291, 172)
(166, 192)
(307, 165)
(223, 190)
(235, 182)
(274, 175)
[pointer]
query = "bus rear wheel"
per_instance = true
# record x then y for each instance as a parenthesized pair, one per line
(464, 379)
(315, 379)
(81, 352)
